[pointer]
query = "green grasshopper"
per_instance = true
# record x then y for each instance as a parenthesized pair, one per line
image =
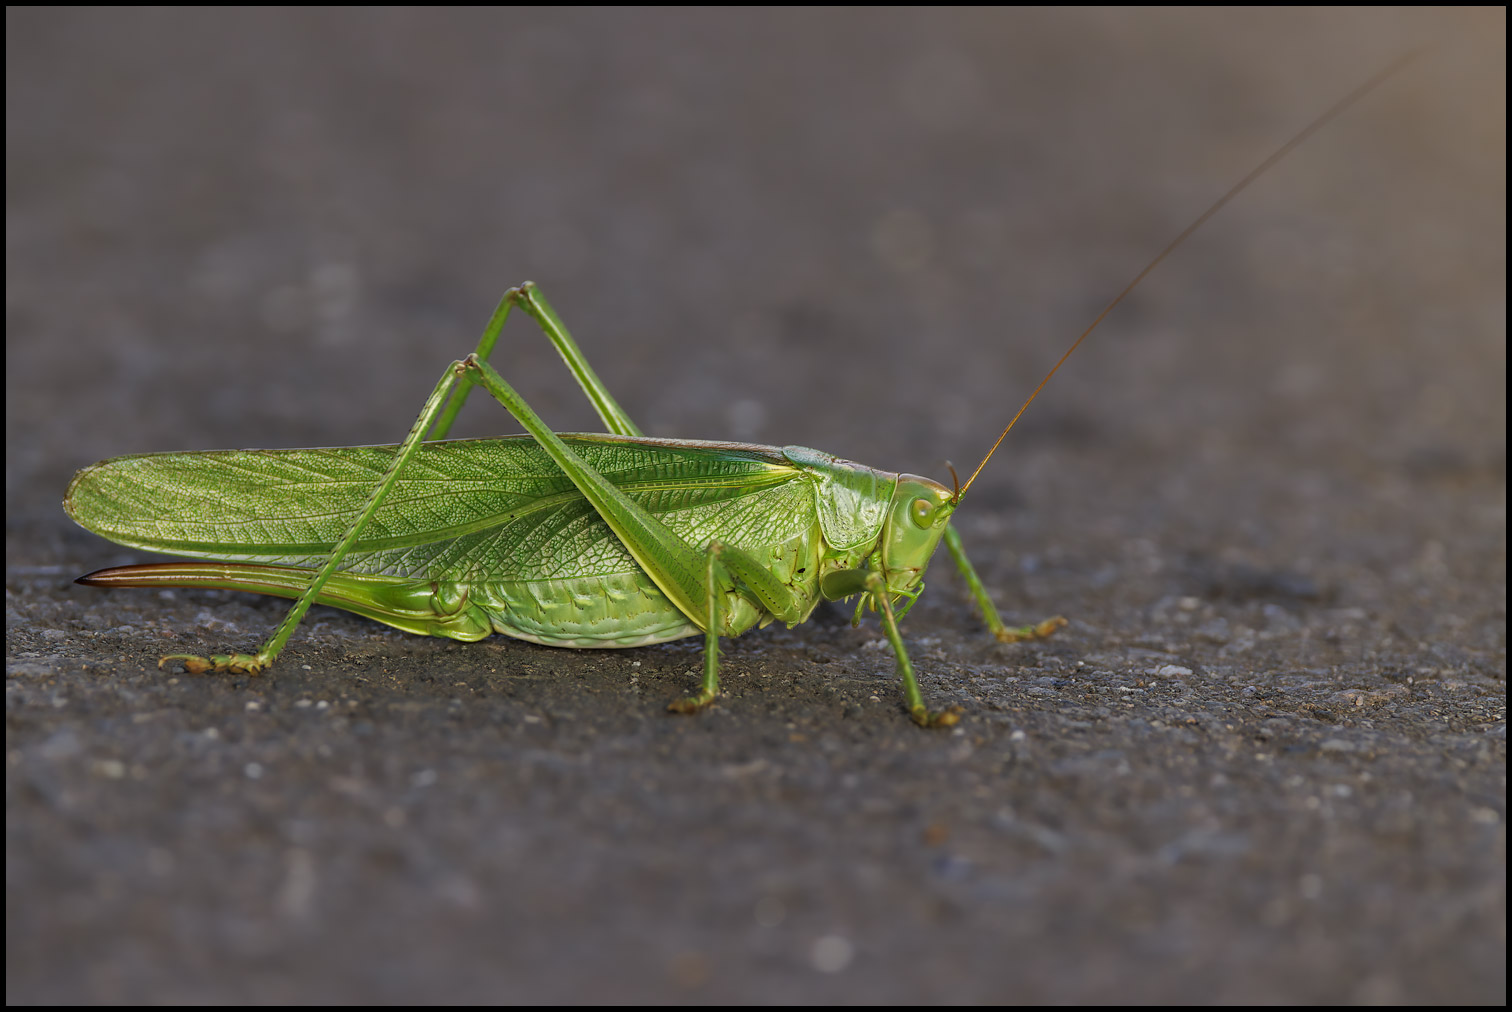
(566, 539)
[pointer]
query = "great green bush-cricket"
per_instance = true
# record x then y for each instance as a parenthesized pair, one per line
(566, 539)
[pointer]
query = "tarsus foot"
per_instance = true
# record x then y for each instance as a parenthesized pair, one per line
(692, 704)
(948, 717)
(237, 664)
(1031, 632)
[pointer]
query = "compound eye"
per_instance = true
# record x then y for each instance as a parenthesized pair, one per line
(922, 510)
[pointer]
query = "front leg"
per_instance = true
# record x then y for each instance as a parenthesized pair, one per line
(1004, 633)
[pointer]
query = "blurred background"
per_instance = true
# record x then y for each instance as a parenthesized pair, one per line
(865, 231)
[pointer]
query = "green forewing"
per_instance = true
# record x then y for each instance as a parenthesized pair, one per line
(472, 511)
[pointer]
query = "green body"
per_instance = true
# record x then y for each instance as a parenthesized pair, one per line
(489, 535)
(571, 540)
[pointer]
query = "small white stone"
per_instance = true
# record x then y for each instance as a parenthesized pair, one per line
(831, 954)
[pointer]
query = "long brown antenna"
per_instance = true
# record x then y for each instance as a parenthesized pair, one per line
(1259, 170)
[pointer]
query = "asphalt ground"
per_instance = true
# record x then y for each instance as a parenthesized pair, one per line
(1265, 762)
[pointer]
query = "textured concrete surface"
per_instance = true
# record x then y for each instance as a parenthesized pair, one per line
(1267, 760)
